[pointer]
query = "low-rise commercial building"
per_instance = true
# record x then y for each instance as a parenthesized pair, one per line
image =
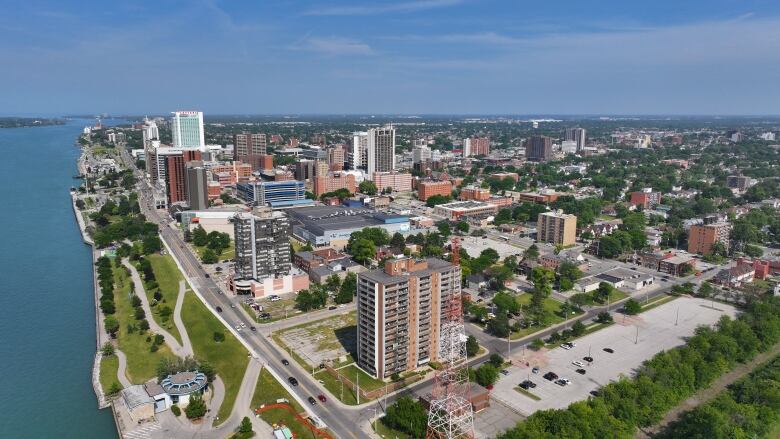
(466, 210)
(333, 225)
(276, 194)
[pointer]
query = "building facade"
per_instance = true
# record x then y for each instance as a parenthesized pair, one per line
(381, 150)
(196, 185)
(538, 149)
(262, 244)
(556, 228)
(396, 181)
(576, 135)
(332, 182)
(427, 189)
(476, 146)
(272, 193)
(187, 129)
(702, 237)
(249, 148)
(399, 311)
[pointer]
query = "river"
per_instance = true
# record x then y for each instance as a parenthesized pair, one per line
(47, 331)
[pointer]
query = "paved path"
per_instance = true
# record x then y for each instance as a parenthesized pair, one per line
(177, 349)
(186, 344)
(705, 395)
(121, 373)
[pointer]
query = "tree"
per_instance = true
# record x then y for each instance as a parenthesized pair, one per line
(219, 336)
(209, 257)
(363, 250)
(108, 349)
(151, 244)
(542, 280)
(196, 407)
(347, 289)
(246, 426)
(610, 247)
(506, 303)
(199, 236)
(407, 416)
(632, 307)
(444, 228)
(496, 360)
(367, 187)
(486, 375)
(472, 347)
(114, 389)
(578, 329)
(537, 344)
(462, 227)
(604, 317)
(398, 241)
(753, 251)
(705, 289)
(112, 325)
(499, 326)
(531, 253)
(435, 200)
(603, 292)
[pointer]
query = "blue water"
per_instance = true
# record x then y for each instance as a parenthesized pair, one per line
(47, 327)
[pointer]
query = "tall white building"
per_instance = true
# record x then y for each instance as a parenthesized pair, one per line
(359, 156)
(150, 130)
(577, 135)
(187, 129)
(421, 154)
(381, 150)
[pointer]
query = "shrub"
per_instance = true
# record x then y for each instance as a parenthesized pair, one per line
(196, 408)
(175, 410)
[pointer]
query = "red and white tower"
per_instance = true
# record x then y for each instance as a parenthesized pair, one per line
(451, 415)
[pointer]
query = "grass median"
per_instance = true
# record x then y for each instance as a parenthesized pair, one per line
(229, 357)
(268, 391)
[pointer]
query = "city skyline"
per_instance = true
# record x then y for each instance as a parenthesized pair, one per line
(411, 57)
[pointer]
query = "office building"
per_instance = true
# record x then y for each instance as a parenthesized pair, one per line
(556, 228)
(645, 198)
(262, 244)
(466, 210)
(196, 185)
(232, 173)
(538, 148)
(474, 193)
(358, 158)
(272, 193)
(304, 170)
(427, 189)
(250, 148)
(476, 146)
(334, 181)
(576, 135)
(321, 167)
(187, 130)
(399, 312)
(396, 182)
(150, 131)
(421, 154)
(702, 237)
(381, 150)
(336, 157)
(173, 171)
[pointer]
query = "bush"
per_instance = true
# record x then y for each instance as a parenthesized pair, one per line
(395, 377)
(219, 336)
(472, 347)
(175, 410)
(537, 344)
(246, 426)
(114, 389)
(486, 375)
(407, 416)
(196, 408)
(632, 307)
(108, 349)
(496, 360)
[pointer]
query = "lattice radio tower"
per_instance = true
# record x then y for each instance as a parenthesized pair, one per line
(451, 415)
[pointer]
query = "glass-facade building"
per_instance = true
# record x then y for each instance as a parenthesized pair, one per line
(187, 129)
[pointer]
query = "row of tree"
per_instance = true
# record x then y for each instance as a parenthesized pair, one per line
(662, 382)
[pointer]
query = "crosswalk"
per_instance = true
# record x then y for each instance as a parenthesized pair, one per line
(142, 432)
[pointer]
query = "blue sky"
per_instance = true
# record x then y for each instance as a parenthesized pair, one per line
(403, 56)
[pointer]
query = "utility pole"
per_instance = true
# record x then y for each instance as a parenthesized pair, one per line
(358, 390)
(677, 316)
(636, 341)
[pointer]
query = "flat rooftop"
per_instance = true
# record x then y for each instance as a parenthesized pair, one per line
(319, 219)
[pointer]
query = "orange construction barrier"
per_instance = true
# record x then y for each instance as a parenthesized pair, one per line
(306, 423)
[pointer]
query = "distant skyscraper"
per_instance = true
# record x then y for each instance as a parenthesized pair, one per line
(175, 175)
(421, 154)
(150, 131)
(187, 129)
(381, 150)
(538, 148)
(196, 185)
(476, 146)
(249, 148)
(262, 244)
(359, 156)
(576, 135)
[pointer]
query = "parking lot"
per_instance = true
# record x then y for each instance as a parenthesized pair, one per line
(323, 340)
(633, 339)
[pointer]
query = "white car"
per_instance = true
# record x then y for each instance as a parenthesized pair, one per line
(578, 363)
(566, 346)
(275, 298)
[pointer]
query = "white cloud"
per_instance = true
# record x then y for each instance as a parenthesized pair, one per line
(409, 6)
(335, 46)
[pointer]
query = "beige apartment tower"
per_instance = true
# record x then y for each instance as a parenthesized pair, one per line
(556, 228)
(399, 311)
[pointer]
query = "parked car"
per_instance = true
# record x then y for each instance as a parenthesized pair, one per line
(609, 350)
(332, 307)
(536, 369)
(504, 372)
(578, 363)
(219, 309)
(580, 371)
(527, 384)
(550, 376)
(293, 381)
(285, 362)
(588, 359)
(275, 298)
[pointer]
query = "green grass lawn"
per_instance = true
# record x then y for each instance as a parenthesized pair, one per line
(229, 358)
(268, 390)
(109, 366)
(387, 432)
(367, 383)
(228, 254)
(527, 393)
(657, 301)
(550, 304)
(141, 362)
(168, 276)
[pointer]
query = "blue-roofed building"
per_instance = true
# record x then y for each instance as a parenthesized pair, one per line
(277, 194)
(333, 225)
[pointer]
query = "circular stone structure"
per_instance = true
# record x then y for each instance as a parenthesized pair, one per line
(183, 384)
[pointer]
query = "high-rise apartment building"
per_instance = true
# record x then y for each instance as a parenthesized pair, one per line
(175, 175)
(304, 170)
(421, 154)
(262, 244)
(248, 147)
(538, 149)
(196, 185)
(399, 312)
(187, 129)
(427, 189)
(556, 228)
(332, 182)
(398, 182)
(150, 131)
(358, 157)
(336, 157)
(476, 146)
(702, 237)
(577, 135)
(381, 150)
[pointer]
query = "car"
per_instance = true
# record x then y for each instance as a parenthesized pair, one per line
(207, 275)
(322, 398)
(561, 382)
(609, 350)
(312, 401)
(578, 363)
(580, 371)
(489, 387)
(232, 305)
(253, 328)
(588, 359)
(527, 384)
(293, 381)
(285, 362)
(504, 372)
(595, 392)
(332, 307)
(275, 298)
(536, 369)
(566, 346)
(219, 309)
(550, 376)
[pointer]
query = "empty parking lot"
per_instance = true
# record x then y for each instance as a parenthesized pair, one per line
(634, 340)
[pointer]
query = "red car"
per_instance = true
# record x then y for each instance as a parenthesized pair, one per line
(322, 398)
